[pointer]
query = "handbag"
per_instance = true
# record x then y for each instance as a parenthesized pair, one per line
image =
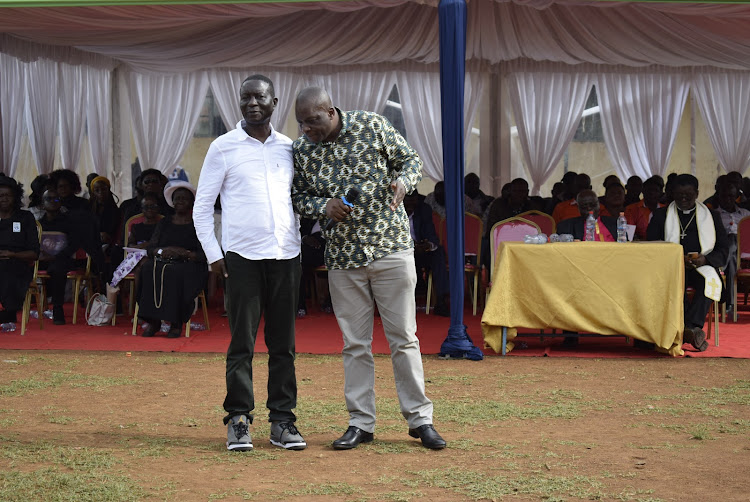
(99, 311)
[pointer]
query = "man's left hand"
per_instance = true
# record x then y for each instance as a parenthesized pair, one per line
(399, 191)
(697, 261)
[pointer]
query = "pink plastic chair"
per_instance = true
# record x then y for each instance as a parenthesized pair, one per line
(510, 230)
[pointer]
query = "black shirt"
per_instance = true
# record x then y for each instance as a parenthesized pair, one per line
(19, 232)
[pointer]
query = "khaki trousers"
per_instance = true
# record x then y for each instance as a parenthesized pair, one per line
(388, 282)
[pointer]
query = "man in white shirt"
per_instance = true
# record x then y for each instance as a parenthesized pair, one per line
(251, 168)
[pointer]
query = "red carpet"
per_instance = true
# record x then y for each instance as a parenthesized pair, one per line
(318, 333)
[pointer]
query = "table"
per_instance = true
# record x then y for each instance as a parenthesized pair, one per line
(634, 289)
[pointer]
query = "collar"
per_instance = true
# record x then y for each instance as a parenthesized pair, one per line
(688, 211)
(344, 121)
(241, 130)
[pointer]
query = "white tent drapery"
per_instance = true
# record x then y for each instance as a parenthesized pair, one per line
(640, 115)
(393, 36)
(99, 117)
(12, 78)
(548, 108)
(420, 98)
(42, 111)
(724, 102)
(73, 85)
(165, 110)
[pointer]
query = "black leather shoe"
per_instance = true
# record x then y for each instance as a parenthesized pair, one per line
(351, 439)
(429, 436)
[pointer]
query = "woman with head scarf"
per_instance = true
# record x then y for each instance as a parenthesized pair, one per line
(175, 271)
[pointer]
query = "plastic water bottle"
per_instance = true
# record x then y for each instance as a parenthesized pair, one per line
(622, 228)
(590, 226)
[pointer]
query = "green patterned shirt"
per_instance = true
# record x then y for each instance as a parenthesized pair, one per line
(369, 153)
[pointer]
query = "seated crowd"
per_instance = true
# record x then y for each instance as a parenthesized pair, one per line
(175, 262)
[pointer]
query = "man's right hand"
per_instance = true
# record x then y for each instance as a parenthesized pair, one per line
(336, 210)
(218, 267)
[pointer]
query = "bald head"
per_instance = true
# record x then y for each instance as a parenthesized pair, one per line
(315, 97)
(317, 118)
(587, 201)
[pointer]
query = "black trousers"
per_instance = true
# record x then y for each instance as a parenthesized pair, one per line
(697, 308)
(58, 275)
(267, 288)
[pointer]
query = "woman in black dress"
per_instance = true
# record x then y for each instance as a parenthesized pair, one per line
(19, 247)
(175, 271)
(141, 233)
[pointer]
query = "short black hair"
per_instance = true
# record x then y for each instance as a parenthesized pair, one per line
(149, 172)
(38, 187)
(66, 174)
(654, 180)
(15, 187)
(262, 78)
(682, 180)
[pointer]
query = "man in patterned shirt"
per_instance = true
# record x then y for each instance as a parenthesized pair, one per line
(369, 251)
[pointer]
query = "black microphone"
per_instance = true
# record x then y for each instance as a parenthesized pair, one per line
(349, 199)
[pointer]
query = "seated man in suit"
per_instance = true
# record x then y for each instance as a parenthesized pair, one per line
(428, 253)
(699, 230)
(606, 227)
(605, 230)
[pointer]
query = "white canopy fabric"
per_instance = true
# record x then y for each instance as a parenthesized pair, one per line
(184, 38)
(357, 50)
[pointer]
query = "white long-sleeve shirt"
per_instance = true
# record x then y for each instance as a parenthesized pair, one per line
(254, 180)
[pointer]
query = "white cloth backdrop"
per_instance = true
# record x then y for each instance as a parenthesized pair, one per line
(225, 85)
(164, 110)
(547, 108)
(420, 105)
(42, 111)
(73, 84)
(358, 90)
(724, 102)
(12, 78)
(99, 117)
(183, 38)
(640, 115)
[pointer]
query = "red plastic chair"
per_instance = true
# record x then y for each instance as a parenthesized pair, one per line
(545, 222)
(473, 232)
(743, 256)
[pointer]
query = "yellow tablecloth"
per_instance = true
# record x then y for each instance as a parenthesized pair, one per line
(634, 289)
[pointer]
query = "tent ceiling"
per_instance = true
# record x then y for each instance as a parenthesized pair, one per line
(180, 38)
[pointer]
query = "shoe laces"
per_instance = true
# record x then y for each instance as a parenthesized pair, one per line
(240, 429)
(289, 427)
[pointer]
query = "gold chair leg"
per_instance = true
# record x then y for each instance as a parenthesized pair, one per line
(135, 319)
(77, 289)
(716, 324)
(25, 311)
(40, 303)
(187, 329)
(429, 293)
(475, 296)
(205, 312)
